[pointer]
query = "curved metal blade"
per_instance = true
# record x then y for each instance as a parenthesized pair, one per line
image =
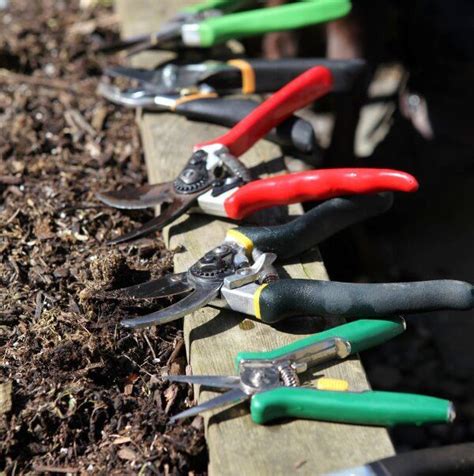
(149, 76)
(213, 381)
(168, 36)
(168, 31)
(121, 44)
(138, 97)
(169, 285)
(135, 198)
(199, 298)
(179, 205)
(232, 396)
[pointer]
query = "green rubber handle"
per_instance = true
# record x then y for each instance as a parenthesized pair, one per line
(265, 20)
(362, 334)
(365, 408)
(223, 5)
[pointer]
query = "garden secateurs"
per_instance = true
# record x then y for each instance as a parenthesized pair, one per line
(239, 274)
(219, 78)
(216, 21)
(219, 184)
(294, 134)
(270, 381)
(193, 90)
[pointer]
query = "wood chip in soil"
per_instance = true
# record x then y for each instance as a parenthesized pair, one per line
(79, 394)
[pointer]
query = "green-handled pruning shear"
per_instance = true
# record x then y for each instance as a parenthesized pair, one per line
(216, 21)
(270, 380)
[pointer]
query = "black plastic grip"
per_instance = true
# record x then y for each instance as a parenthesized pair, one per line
(271, 75)
(316, 225)
(304, 297)
(294, 133)
(455, 460)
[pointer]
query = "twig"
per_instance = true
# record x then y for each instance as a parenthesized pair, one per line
(7, 76)
(54, 469)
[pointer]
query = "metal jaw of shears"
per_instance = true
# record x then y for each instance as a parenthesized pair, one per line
(224, 276)
(171, 78)
(209, 174)
(136, 97)
(263, 375)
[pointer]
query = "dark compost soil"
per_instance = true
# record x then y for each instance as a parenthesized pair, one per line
(78, 393)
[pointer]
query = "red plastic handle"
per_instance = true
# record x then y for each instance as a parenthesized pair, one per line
(314, 185)
(297, 94)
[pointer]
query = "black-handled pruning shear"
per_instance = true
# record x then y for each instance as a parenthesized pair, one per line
(294, 134)
(236, 76)
(239, 274)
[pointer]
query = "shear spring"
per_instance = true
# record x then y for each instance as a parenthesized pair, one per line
(289, 377)
(236, 167)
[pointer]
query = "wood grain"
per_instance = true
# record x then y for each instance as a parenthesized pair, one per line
(213, 337)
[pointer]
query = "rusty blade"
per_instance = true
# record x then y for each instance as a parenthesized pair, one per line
(169, 285)
(134, 198)
(176, 208)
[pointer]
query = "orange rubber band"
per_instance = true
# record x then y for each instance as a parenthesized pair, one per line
(248, 75)
(192, 97)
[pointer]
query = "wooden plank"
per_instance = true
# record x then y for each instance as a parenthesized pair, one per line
(213, 337)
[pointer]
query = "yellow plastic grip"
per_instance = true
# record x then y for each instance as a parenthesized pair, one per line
(248, 75)
(256, 301)
(332, 384)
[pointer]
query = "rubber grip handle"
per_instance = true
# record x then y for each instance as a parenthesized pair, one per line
(271, 75)
(321, 222)
(265, 20)
(314, 185)
(224, 5)
(361, 334)
(454, 460)
(364, 408)
(297, 297)
(300, 92)
(295, 132)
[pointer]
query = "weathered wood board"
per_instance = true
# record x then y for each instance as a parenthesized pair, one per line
(213, 336)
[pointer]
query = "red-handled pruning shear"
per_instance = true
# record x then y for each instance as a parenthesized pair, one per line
(216, 181)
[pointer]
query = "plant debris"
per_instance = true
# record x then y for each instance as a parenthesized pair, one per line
(79, 394)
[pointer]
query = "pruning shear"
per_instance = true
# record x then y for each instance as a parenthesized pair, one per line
(219, 184)
(192, 90)
(216, 21)
(236, 76)
(270, 381)
(294, 134)
(239, 274)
